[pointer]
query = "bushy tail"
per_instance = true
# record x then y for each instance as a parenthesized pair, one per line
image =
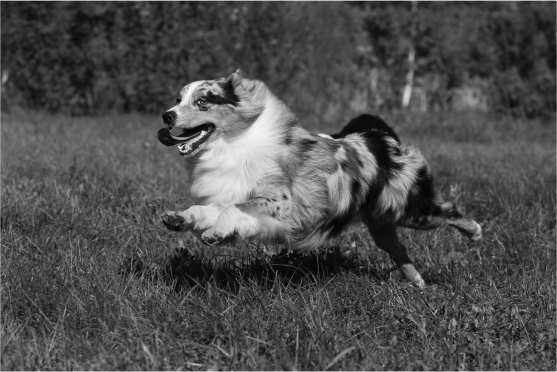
(364, 123)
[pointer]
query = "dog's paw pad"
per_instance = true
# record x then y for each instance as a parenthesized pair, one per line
(173, 221)
(210, 240)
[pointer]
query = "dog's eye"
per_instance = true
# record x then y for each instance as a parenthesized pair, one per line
(201, 101)
(178, 99)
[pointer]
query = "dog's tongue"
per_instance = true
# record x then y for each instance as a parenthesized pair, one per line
(168, 139)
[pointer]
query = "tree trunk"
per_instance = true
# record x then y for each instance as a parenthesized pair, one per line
(407, 93)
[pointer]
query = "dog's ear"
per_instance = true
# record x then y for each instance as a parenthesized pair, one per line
(236, 79)
(237, 83)
(238, 73)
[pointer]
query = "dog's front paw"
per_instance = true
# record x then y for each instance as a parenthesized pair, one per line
(217, 234)
(195, 218)
(173, 221)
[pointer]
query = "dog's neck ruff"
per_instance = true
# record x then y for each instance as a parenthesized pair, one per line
(230, 171)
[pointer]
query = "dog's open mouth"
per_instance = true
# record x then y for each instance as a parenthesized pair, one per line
(189, 140)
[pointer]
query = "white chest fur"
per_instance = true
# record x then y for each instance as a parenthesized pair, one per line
(227, 176)
(230, 171)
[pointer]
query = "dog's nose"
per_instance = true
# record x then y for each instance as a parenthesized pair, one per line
(168, 117)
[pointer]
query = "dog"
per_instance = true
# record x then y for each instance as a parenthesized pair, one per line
(256, 173)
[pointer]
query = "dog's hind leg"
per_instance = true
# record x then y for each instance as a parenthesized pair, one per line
(385, 237)
(445, 215)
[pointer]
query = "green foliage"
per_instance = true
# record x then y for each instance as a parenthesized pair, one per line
(92, 281)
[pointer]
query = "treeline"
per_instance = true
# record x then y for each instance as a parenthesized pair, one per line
(326, 60)
(504, 51)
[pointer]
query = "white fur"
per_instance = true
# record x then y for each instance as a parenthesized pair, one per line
(370, 169)
(201, 217)
(232, 220)
(187, 92)
(229, 170)
(394, 195)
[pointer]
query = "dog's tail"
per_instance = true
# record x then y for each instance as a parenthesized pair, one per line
(364, 123)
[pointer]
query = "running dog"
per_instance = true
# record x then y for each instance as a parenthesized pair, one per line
(256, 173)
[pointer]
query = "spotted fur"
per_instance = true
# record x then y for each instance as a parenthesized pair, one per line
(261, 175)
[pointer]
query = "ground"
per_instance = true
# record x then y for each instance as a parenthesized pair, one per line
(91, 279)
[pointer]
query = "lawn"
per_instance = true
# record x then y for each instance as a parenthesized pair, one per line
(90, 279)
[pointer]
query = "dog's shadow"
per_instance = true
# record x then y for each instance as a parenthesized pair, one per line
(188, 270)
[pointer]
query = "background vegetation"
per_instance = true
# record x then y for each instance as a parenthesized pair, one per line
(93, 57)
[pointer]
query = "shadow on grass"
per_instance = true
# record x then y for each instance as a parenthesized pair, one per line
(440, 275)
(186, 270)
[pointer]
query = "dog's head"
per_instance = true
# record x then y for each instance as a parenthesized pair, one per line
(209, 110)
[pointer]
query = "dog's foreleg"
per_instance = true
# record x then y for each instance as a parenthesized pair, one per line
(385, 237)
(258, 217)
(196, 219)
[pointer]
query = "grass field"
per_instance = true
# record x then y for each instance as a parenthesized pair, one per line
(91, 280)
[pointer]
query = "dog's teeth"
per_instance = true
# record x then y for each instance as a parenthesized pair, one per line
(185, 147)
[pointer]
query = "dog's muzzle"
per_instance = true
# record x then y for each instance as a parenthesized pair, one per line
(189, 140)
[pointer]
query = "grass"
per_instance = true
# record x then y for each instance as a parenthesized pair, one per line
(90, 279)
